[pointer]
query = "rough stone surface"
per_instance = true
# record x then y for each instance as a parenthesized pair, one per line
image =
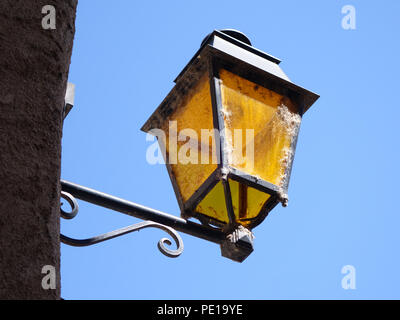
(34, 65)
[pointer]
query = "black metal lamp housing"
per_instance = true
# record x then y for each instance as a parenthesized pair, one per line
(237, 102)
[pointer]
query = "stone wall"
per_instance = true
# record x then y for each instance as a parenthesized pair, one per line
(34, 65)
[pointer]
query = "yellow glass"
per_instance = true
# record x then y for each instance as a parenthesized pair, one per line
(247, 203)
(266, 151)
(191, 164)
(213, 205)
(263, 151)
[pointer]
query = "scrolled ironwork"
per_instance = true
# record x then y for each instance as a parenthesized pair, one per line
(72, 202)
(172, 253)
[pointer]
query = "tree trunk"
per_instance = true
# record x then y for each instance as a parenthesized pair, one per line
(34, 65)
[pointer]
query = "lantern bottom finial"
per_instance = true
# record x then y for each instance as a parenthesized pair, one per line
(238, 245)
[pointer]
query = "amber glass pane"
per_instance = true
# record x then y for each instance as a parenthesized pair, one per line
(213, 205)
(191, 163)
(266, 151)
(247, 202)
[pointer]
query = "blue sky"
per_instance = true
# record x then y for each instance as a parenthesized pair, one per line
(343, 193)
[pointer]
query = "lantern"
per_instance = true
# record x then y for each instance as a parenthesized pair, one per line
(228, 131)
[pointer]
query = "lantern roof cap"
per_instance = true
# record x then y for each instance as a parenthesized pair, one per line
(239, 40)
(233, 46)
(238, 35)
(232, 49)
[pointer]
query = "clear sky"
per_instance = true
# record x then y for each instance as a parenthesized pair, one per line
(344, 185)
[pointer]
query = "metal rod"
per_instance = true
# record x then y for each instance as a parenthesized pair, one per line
(142, 212)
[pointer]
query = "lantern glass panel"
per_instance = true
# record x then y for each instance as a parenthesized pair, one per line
(213, 205)
(191, 163)
(274, 119)
(247, 202)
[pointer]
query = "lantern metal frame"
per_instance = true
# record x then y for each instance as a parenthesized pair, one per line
(229, 50)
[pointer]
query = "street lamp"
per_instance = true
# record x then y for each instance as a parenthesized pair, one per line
(228, 131)
(227, 91)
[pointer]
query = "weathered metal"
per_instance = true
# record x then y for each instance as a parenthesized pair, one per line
(120, 232)
(231, 50)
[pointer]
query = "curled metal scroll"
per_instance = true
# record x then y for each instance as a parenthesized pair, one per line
(119, 232)
(72, 202)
